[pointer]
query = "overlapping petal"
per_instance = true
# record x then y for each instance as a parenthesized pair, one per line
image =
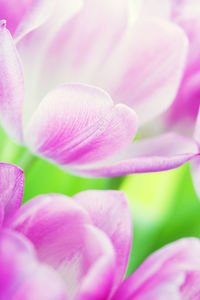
(109, 211)
(11, 85)
(78, 124)
(145, 80)
(22, 276)
(11, 189)
(96, 30)
(13, 12)
(173, 271)
(65, 128)
(160, 153)
(64, 238)
(151, 59)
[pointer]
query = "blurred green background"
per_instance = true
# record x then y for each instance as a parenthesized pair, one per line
(164, 205)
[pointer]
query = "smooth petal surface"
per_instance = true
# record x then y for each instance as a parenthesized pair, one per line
(64, 238)
(173, 271)
(36, 14)
(13, 12)
(109, 211)
(11, 86)
(195, 164)
(161, 153)
(184, 110)
(187, 15)
(22, 276)
(78, 124)
(96, 38)
(151, 59)
(11, 189)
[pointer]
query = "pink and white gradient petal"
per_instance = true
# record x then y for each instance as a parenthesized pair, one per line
(11, 86)
(109, 211)
(166, 273)
(96, 30)
(21, 274)
(64, 238)
(13, 12)
(164, 152)
(151, 59)
(78, 124)
(11, 189)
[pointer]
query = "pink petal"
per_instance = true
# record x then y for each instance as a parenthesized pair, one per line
(86, 31)
(78, 124)
(11, 86)
(161, 153)
(195, 165)
(98, 282)
(187, 15)
(151, 60)
(44, 19)
(37, 13)
(21, 275)
(26, 15)
(109, 211)
(13, 12)
(195, 171)
(63, 237)
(41, 11)
(185, 107)
(171, 271)
(11, 189)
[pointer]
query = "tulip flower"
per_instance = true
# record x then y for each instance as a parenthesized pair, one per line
(183, 115)
(183, 112)
(78, 126)
(84, 243)
(22, 276)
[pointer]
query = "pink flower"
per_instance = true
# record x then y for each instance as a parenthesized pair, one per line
(185, 14)
(140, 63)
(183, 115)
(86, 239)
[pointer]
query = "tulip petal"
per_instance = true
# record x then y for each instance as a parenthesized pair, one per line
(151, 66)
(161, 153)
(22, 276)
(168, 272)
(25, 15)
(11, 86)
(98, 281)
(78, 124)
(40, 12)
(11, 189)
(109, 211)
(86, 31)
(64, 238)
(13, 12)
(195, 164)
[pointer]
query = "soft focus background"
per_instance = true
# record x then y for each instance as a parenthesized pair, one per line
(164, 205)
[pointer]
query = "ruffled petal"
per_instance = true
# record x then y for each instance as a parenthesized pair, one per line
(11, 189)
(11, 86)
(64, 238)
(109, 211)
(173, 271)
(161, 153)
(22, 276)
(78, 124)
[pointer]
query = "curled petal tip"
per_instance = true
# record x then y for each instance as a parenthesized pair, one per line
(3, 23)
